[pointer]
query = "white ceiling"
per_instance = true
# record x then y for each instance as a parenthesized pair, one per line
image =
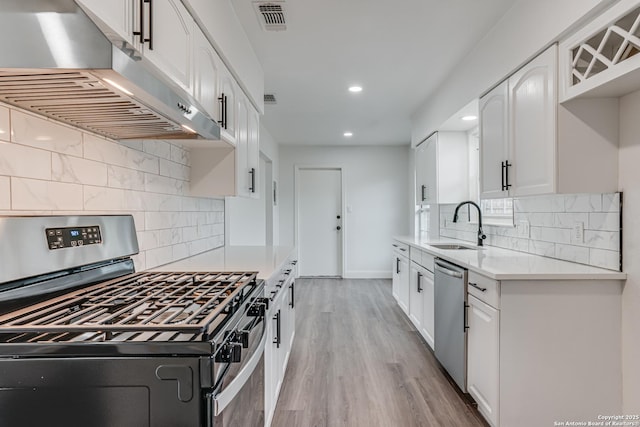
(399, 51)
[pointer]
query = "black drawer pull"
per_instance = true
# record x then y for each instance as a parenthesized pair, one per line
(478, 287)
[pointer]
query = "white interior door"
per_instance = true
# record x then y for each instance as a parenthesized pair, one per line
(320, 222)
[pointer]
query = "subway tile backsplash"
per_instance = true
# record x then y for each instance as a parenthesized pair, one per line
(551, 221)
(47, 168)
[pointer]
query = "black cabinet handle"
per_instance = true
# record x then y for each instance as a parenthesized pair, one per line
(150, 39)
(276, 340)
(502, 175)
(252, 172)
(506, 175)
(141, 22)
(464, 323)
(419, 280)
(398, 265)
(424, 187)
(477, 287)
(292, 300)
(223, 110)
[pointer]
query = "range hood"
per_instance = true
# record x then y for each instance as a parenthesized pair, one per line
(56, 62)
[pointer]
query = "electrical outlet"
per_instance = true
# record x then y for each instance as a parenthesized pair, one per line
(523, 228)
(577, 233)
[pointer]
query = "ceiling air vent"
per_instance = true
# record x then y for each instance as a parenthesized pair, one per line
(269, 98)
(271, 15)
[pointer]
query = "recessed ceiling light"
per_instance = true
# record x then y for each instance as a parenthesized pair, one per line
(355, 89)
(348, 134)
(469, 118)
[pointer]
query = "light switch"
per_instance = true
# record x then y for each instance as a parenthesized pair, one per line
(577, 233)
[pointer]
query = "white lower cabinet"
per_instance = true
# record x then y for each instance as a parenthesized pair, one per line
(400, 286)
(421, 301)
(280, 330)
(483, 357)
(428, 306)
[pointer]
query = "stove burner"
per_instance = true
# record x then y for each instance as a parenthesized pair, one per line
(149, 304)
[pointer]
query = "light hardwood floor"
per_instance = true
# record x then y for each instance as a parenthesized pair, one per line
(358, 361)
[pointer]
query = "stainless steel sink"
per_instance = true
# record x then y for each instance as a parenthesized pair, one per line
(453, 246)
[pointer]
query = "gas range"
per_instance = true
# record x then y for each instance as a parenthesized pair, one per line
(82, 333)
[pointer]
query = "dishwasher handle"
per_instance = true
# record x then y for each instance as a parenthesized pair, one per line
(443, 269)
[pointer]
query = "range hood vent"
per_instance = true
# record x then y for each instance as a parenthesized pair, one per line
(270, 98)
(82, 100)
(271, 15)
(56, 62)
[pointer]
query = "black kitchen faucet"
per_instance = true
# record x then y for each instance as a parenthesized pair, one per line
(481, 235)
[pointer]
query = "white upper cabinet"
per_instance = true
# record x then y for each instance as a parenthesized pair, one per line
(207, 70)
(600, 59)
(242, 143)
(442, 169)
(518, 132)
(494, 152)
(170, 31)
(229, 118)
(116, 18)
(532, 124)
(531, 145)
(253, 152)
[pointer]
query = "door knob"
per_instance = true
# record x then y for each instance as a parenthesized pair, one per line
(338, 228)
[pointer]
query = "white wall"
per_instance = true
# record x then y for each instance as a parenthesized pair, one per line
(49, 168)
(525, 30)
(246, 223)
(629, 180)
(376, 179)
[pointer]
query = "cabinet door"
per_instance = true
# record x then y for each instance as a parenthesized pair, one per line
(253, 151)
(395, 277)
(242, 171)
(426, 173)
(428, 307)
(114, 17)
(229, 91)
(532, 123)
(403, 282)
(171, 30)
(415, 296)
(207, 66)
(483, 357)
(494, 115)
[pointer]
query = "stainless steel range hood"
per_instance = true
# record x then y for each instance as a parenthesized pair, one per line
(56, 62)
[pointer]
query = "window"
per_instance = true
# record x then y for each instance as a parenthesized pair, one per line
(497, 211)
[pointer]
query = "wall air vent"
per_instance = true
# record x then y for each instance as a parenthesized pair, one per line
(271, 15)
(270, 98)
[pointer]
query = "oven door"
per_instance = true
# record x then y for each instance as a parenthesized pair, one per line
(238, 397)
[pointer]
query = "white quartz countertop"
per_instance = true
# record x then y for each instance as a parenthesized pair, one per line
(264, 259)
(504, 264)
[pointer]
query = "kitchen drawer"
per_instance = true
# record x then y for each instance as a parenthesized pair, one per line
(415, 255)
(401, 248)
(427, 261)
(485, 289)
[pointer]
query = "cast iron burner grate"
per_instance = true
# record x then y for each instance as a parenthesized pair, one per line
(145, 306)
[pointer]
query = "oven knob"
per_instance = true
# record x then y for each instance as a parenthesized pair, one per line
(229, 353)
(242, 337)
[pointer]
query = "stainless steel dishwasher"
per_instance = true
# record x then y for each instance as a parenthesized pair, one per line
(451, 320)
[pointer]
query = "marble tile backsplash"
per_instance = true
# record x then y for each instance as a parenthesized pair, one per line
(551, 221)
(47, 168)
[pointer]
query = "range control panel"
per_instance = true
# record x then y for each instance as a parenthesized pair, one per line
(72, 237)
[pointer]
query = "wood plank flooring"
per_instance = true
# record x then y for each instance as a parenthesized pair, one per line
(358, 361)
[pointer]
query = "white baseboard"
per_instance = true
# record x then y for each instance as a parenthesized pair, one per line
(367, 275)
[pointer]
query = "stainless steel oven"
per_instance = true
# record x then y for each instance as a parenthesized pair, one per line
(87, 341)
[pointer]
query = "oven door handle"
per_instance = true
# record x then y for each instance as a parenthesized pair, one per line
(222, 399)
